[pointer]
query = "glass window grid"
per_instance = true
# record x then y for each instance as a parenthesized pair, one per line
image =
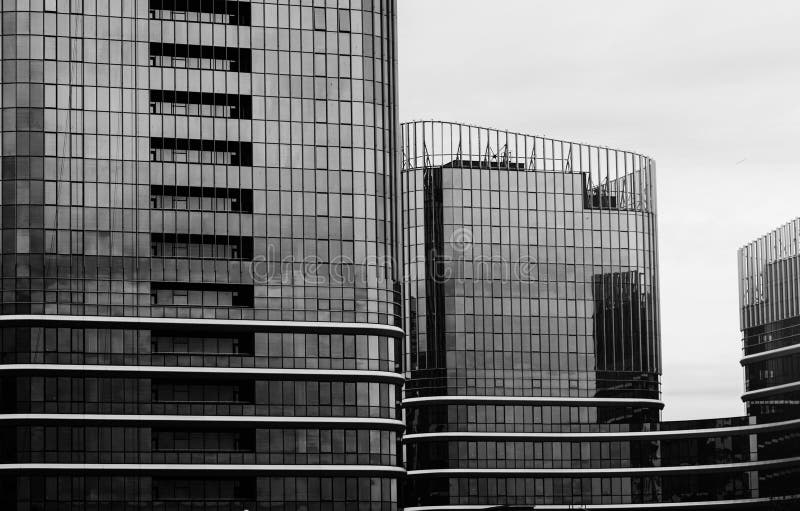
(586, 490)
(542, 454)
(529, 418)
(102, 74)
(188, 444)
(256, 349)
(481, 305)
(161, 396)
(530, 269)
(118, 493)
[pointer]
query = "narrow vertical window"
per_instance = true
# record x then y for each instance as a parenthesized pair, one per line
(344, 20)
(319, 18)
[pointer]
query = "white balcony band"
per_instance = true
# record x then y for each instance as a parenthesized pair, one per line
(532, 400)
(605, 472)
(49, 418)
(714, 504)
(766, 355)
(332, 374)
(156, 468)
(771, 391)
(200, 323)
(610, 436)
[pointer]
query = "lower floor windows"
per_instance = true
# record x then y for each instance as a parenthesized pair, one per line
(219, 492)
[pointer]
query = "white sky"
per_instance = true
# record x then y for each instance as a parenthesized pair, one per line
(710, 89)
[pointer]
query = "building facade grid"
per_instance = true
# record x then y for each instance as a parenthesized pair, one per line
(200, 295)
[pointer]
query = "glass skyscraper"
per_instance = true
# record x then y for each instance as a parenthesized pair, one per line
(206, 207)
(533, 346)
(200, 297)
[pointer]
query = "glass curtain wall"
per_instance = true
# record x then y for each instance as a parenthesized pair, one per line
(200, 291)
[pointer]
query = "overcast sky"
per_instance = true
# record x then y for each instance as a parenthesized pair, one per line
(710, 89)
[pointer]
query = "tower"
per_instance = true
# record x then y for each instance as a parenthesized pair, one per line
(200, 300)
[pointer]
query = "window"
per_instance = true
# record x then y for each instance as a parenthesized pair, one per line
(202, 440)
(212, 152)
(197, 392)
(319, 18)
(195, 246)
(209, 11)
(344, 20)
(201, 294)
(203, 490)
(202, 343)
(189, 56)
(204, 104)
(195, 198)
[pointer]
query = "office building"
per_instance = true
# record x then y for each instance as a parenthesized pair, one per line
(533, 349)
(200, 297)
(769, 278)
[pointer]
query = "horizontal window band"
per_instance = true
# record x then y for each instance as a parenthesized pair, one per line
(194, 469)
(771, 391)
(349, 422)
(238, 12)
(532, 400)
(199, 198)
(231, 295)
(233, 106)
(239, 59)
(607, 472)
(189, 324)
(201, 246)
(223, 152)
(211, 372)
(611, 436)
(712, 504)
(766, 355)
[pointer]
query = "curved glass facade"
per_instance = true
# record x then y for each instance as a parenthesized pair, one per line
(734, 463)
(531, 284)
(201, 304)
(531, 266)
(533, 345)
(769, 284)
(200, 295)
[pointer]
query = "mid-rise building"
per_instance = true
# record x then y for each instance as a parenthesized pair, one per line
(533, 353)
(200, 300)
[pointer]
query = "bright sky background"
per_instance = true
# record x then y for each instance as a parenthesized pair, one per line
(710, 89)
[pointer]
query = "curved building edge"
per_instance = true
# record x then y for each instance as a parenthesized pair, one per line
(699, 505)
(610, 472)
(543, 400)
(614, 435)
(190, 468)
